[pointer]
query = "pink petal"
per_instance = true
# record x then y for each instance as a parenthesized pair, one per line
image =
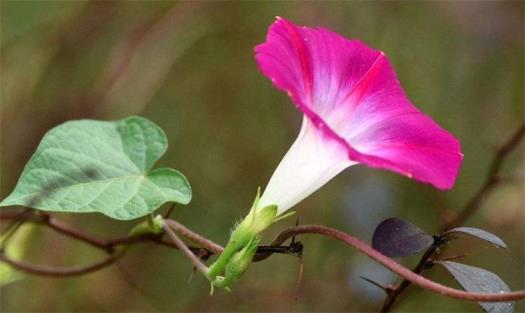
(351, 94)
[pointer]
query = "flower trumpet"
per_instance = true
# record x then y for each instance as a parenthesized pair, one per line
(355, 112)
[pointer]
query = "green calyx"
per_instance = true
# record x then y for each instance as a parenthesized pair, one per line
(237, 265)
(255, 222)
(242, 246)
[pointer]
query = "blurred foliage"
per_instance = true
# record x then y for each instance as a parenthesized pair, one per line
(189, 67)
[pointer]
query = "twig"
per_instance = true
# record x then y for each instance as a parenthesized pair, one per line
(470, 209)
(67, 230)
(491, 181)
(206, 247)
(107, 245)
(58, 271)
(56, 225)
(195, 260)
(398, 268)
(192, 252)
(194, 237)
(395, 291)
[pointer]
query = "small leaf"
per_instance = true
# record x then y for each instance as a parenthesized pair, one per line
(475, 279)
(395, 237)
(480, 233)
(97, 166)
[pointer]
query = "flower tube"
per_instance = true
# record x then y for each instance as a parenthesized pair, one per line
(355, 111)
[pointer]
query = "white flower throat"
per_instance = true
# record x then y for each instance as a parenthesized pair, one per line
(310, 163)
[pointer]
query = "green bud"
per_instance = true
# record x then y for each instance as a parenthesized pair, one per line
(153, 225)
(238, 264)
(242, 241)
(242, 259)
(257, 221)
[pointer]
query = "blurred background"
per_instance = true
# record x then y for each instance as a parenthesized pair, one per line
(189, 67)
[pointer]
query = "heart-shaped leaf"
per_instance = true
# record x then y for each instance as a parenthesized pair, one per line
(395, 237)
(480, 233)
(475, 279)
(97, 166)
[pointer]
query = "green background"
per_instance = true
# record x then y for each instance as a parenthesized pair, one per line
(189, 67)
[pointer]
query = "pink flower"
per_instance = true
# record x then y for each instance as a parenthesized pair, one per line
(355, 111)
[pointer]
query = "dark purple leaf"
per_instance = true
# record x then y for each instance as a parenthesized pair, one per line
(475, 279)
(480, 233)
(395, 237)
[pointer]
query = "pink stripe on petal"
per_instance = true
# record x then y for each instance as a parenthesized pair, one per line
(351, 94)
(361, 87)
(303, 58)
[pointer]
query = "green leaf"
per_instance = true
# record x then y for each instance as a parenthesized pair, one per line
(475, 279)
(97, 166)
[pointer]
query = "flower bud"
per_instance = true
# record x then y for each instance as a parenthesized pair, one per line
(242, 240)
(258, 220)
(153, 225)
(238, 264)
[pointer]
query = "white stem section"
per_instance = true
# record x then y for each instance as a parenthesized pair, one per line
(311, 162)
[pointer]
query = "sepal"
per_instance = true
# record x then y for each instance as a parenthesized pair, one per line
(238, 264)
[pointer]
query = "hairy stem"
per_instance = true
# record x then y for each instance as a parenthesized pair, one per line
(194, 237)
(201, 267)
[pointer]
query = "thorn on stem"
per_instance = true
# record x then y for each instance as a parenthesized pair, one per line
(386, 289)
(190, 279)
(170, 210)
(293, 238)
(300, 276)
(454, 257)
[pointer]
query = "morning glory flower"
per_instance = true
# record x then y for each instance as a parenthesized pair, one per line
(355, 111)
